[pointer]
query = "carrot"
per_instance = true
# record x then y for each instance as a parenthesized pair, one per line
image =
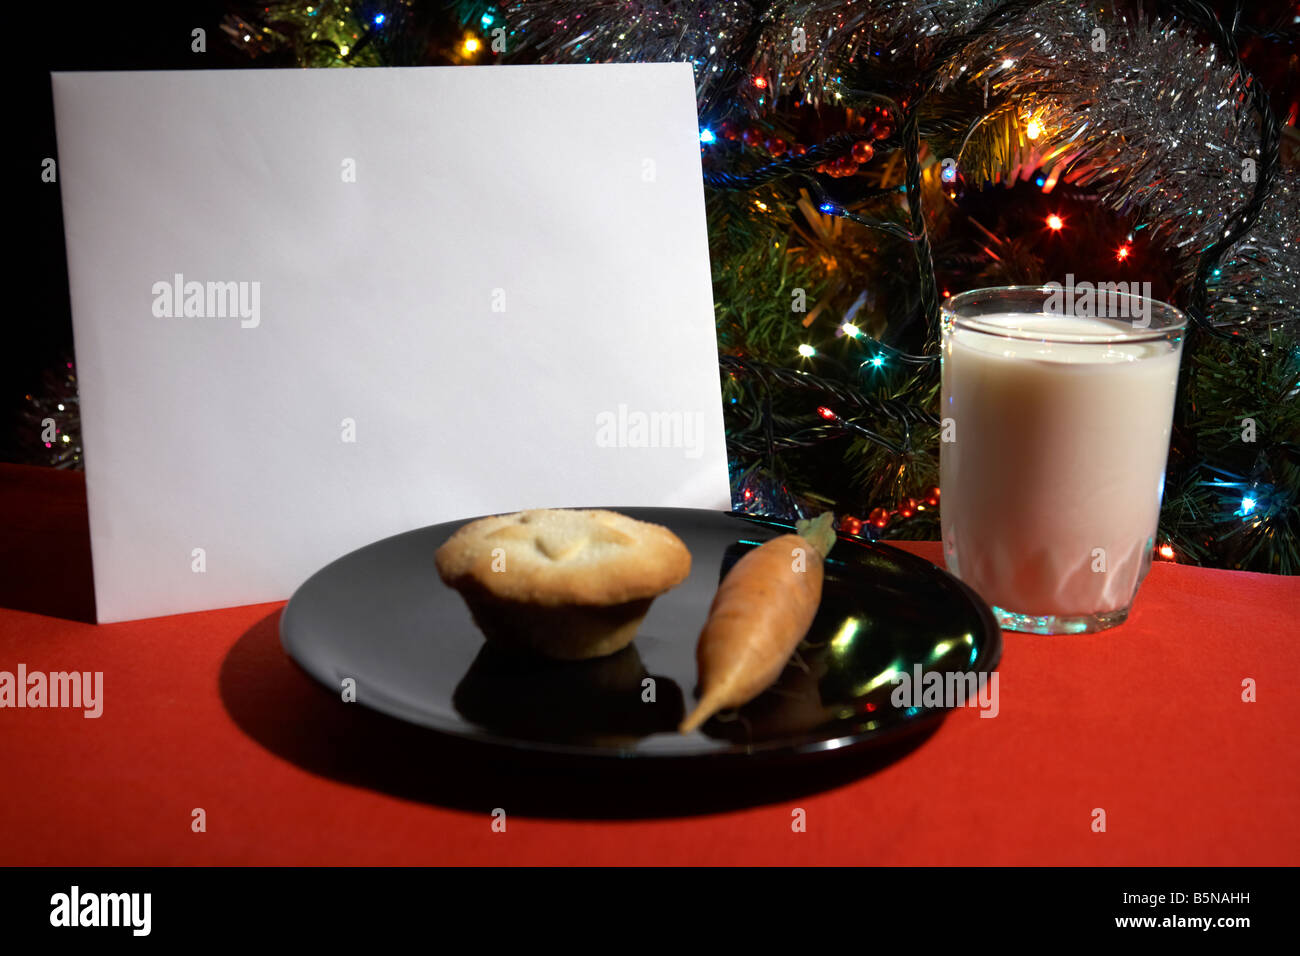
(763, 609)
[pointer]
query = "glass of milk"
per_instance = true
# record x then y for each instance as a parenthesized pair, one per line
(1056, 407)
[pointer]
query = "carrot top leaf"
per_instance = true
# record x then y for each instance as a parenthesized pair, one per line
(819, 532)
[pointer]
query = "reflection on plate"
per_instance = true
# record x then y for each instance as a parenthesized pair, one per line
(382, 617)
(606, 702)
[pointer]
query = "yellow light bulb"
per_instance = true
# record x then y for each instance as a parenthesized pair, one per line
(1034, 129)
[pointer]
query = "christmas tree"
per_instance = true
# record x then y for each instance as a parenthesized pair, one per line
(864, 160)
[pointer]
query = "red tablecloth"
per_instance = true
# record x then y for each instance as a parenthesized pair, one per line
(205, 711)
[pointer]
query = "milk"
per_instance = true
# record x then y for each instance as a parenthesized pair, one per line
(1051, 489)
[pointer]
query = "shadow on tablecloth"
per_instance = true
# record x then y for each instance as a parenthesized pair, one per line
(291, 715)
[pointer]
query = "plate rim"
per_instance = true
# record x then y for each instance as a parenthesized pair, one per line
(783, 748)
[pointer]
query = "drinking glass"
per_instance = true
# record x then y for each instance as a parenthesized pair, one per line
(1056, 417)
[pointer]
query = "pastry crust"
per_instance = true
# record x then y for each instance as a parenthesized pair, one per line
(568, 584)
(554, 557)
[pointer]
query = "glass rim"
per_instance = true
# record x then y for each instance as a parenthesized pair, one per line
(952, 304)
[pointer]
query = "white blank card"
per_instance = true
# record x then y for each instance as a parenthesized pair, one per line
(314, 308)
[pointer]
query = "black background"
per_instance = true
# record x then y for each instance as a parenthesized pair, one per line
(54, 37)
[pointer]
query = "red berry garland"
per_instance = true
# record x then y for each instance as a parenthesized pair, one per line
(878, 127)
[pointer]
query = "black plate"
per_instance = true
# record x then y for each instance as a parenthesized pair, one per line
(381, 616)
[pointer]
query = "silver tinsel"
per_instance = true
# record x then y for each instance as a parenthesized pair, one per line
(800, 48)
(1157, 123)
(1258, 281)
(55, 401)
(710, 36)
(808, 47)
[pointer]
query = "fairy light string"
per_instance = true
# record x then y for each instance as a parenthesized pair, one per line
(1154, 152)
